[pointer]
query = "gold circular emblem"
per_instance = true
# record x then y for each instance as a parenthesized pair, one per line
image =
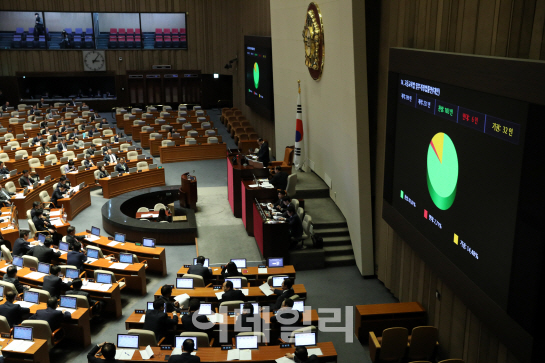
(313, 38)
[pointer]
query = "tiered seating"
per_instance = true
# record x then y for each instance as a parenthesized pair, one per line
(22, 39)
(169, 38)
(240, 129)
(124, 38)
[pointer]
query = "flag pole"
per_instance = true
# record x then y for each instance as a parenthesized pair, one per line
(298, 159)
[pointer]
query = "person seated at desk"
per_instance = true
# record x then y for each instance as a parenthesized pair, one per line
(44, 149)
(108, 354)
(92, 131)
(166, 293)
(42, 224)
(76, 290)
(43, 125)
(117, 136)
(247, 318)
(110, 157)
(26, 180)
(94, 116)
(103, 172)
(106, 148)
(163, 216)
(78, 144)
(35, 207)
(73, 134)
(5, 197)
(230, 270)
(62, 146)
(49, 115)
(53, 316)
(88, 163)
(295, 224)
(286, 202)
(55, 136)
(54, 284)
(64, 181)
(279, 204)
(91, 150)
(188, 319)
(41, 104)
(21, 246)
(121, 166)
(45, 253)
(59, 193)
(263, 153)
(3, 169)
(103, 123)
(279, 179)
(63, 128)
(13, 312)
(70, 167)
(285, 292)
(32, 110)
(286, 316)
(45, 130)
(36, 140)
(199, 269)
(11, 276)
(60, 121)
(301, 356)
(75, 257)
(71, 237)
(187, 348)
(158, 321)
(5, 107)
(230, 294)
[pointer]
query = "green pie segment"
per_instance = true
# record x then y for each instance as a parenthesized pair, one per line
(442, 171)
(256, 75)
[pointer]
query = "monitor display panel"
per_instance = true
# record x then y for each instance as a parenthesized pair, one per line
(237, 283)
(119, 237)
(299, 306)
(148, 242)
(43, 267)
(206, 262)
(95, 231)
(64, 246)
(125, 257)
(205, 309)
(182, 283)
(41, 238)
(31, 296)
(240, 262)
(104, 278)
(68, 302)
(275, 262)
(18, 261)
(72, 273)
(92, 253)
(255, 307)
(129, 341)
(259, 75)
(180, 341)
(278, 280)
(305, 339)
(22, 332)
(247, 342)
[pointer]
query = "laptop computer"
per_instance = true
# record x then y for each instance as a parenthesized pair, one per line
(103, 278)
(68, 302)
(125, 258)
(95, 231)
(92, 253)
(148, 242)
(129, 341)
(119, 237)
(18, 261)
(237, 283)
(150, 306)
(41, 238)
(254, 305)
(72, 273)
(240, 262)
(205, 309)
(206, 262)
(275, 262)
(247, 342)
(133, 170)
(114, 174)
(22, 332)
(31, 297)
(64, 246)
(44, 268)
(304, 339)
(180, 341)
(299, 306)
(182, 283)
(278, 280)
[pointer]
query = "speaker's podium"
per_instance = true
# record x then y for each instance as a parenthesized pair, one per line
(188, 192)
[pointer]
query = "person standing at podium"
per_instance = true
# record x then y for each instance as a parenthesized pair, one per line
(263, 153)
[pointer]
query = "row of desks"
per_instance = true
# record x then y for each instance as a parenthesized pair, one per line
(31, 133)
(171, 154)
(251, 273)
(154, 144)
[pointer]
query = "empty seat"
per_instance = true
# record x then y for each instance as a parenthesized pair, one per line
(113, 31)
(190, 141)
(212, 140)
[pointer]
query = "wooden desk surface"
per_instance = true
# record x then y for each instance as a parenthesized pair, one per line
(112, 187)
(76, 203)
(24, 204)
(10, 234)
(156, 256)
(37, 353)
(170, 154)
(393, 308)
(209, 294)
(251, 272)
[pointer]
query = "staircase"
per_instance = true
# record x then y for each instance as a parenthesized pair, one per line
(337, 245)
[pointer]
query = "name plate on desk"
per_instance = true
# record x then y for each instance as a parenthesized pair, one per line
(217, 287)
(166, 347)
(139, 311)
(5, 335)
(187, 266)
(230, 313)
(285, 345)
(262, 266)
(184, 312)
(226, 347)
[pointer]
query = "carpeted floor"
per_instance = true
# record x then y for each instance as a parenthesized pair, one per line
(221, 237)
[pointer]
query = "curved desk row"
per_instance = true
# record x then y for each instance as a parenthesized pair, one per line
(171, 154)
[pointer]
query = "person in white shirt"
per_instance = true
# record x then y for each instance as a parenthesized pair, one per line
(110, 157)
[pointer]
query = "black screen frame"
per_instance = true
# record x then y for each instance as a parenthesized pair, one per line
(259, 107)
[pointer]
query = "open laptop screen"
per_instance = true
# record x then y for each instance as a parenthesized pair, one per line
(180, 341)
(237, 283)
(205, 309)
(278, 280)
(299, 306)
(22, 332)
(92, 253)
(128, 341)
(255, 308)
(44, 267)
(1, 291)
(63, 246)
(150, 306)
(95, 231)
(31, 296)
(247, 342)
(119, 237)
(206, 262)
(305, 339)
(148, 242)
(68, 302)
(182, 283)
(104, 278)
(275, 262)
(240, 262)
(72, 273)
(125, 257)
(18, 261)
(41, 238)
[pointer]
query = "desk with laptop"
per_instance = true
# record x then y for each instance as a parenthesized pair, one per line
(145, 250)
(24, 347)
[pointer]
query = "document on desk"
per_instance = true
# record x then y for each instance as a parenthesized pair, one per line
(7, 228)
(19, 345)
(92, 237)
(113, 243)
(56, 222)
(4, 213)
(24, 304)
(253, 185)
(240, 354)
(71, 311)
(124, 354)
(19, 196)
(55, 214)
(316, 351)
(216, 318)
(91, 260)
(105, 287)
(35, 275)
(245, 291)
(143, 318)
(146, 353)
(219, 295)
(283, 360)
(119, 266)
(150, 215)
(262, 270)
(266, 289)
(182, 299)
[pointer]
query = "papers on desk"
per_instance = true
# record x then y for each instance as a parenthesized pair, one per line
(245, 291)
(146, 353)
(19, 196)
(219, 295)
(5, 268)
(113, 243)
(267, 185)
(253, 185)
(178, 351)
(19, 345)
(316, 351)
(4, 213)
(71, 311)
(119, 266)
(262, 270)
(55, 214)
(143, 318)
(56, 222)
(283, 360)
(7, 228)
(96, 286)
(216, 318)
(149, 215)
(266, 289)
(124, 354)
(240, 354)
(92, 237)
(24, 304)
(35, 275)
(182, 299)
(42, 181)
(91, 260)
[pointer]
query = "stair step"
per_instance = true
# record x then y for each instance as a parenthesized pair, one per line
(342, 250)
(332, 232)
(338, 261)
(322, 225)
(337, 241)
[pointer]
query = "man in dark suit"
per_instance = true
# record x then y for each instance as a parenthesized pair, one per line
(110, 157)
(5, 197)
(122, 166)
(13, 312)
(53, 316)
(64, 181)
(58, 194)
(286, 316)
(247, 319)
(166, 293)
(44, 253)
(53, 283)
(187, 347)
(158, 321)
(279, 204)
(263, 153)
(301, 356)
(187, 320)
(62, 146)
(91, 150)
(26, 180)
(108, 353)
(230, 294)
(21, 246)
(295, 224)
(199, 269)
(280, 179)
(88, 163)
(11, 276)
(76, 290)
(71, 237)
(55, 136)
(94, 116)
(3, 169)
(44, 148)
(42, 224)
(285, 292)
(92, 131)
(35, 207)
(42, 103)
(75, 257)
(72, 103)
(106, 148)
(32, 110)
(37, 139)
(5, 107)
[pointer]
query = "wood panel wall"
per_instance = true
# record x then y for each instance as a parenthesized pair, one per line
(215, 32)
(504, 28)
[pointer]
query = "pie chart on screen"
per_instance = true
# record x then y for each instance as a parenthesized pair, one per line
(256, 75)
(442, 170)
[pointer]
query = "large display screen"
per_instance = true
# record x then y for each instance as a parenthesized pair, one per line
(457, 168)
(258, 75)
